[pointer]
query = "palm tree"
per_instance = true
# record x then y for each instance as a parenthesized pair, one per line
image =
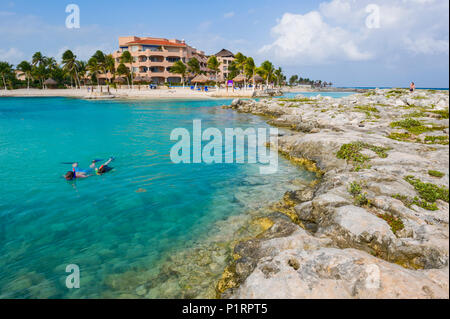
(233, 71)
(94, 68)
(240, 61)
(179, 68)
(123, 70)
(39, 72)
(50, 64)
(38, 60)
(110, 65)
(128, 58)
(267, 71)
(102, 63)
(5, 71)
(250, 69)
(279, 76)
(26, 68)
(194, 66)
(71, 65)
(214, 65)
(82, 70)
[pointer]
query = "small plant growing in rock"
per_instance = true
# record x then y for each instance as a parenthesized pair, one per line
(415, 126)
(352, 153)
(355, 188)
(408, 202)
(427, 191)
(367, 108)
(402, 137)
(362, 200)
(442, 113)
(442, 140)
(435, 173)
(395, 222)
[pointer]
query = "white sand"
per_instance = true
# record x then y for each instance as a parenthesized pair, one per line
(144, 93)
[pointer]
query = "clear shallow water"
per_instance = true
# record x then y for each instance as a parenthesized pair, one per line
(130, 218)
(335, 95)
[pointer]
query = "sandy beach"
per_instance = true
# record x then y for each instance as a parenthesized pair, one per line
(143, 93)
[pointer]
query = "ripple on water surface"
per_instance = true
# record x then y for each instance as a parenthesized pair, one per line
(132, 230)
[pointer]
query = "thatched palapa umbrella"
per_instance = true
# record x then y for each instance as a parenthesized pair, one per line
(50, 82)
(120, 80)
(257, 79)
(139, 79)
(200, 79)
(239, 78)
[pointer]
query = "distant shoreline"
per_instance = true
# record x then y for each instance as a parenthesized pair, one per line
(175, 93)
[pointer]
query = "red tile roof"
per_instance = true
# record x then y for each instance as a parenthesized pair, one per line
(157, 42)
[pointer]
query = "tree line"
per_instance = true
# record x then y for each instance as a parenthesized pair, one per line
(70, 72)
(296, 80)
(77, 73)
(241, 65)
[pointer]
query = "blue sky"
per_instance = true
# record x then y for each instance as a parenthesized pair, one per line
(347, 42)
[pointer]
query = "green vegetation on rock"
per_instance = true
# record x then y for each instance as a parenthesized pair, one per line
(367, 108)
(415, 126)
(395, 222)
(427, 191)
(352, 153)
(435, 173)
(360, 198)
(402, 137)
(442, 113)
(443, 140)
(408, 202)
(355, 188)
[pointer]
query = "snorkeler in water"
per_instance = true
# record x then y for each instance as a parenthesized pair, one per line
(77, 172)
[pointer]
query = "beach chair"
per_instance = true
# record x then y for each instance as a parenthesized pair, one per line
(206, 89)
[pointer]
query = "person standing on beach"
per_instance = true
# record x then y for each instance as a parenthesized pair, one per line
(412, 87)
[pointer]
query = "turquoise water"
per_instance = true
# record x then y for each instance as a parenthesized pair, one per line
(335, 95)
(127, 219)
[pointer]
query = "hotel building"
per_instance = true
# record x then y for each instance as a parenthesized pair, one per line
(225, 58)
(153, 57)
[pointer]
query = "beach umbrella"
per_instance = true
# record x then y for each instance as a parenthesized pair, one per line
(257, 79)
(120, 80)
(146, 79)
(139, 79)
(239, 78)
(50, 82)
(200, 79)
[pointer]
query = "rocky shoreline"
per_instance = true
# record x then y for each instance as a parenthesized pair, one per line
(375, 225)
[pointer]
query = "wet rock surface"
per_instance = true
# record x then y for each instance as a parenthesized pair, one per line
(376, 226)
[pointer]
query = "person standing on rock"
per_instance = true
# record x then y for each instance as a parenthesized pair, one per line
(412, 87)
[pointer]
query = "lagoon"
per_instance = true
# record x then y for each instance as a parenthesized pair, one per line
(126, 224)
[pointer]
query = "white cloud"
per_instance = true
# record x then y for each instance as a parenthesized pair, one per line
(427, 46)
(11, 55)
(309, 38)
(229, 15)
(31, 33)
(338, 31)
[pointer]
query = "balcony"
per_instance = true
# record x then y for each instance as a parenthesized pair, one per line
(156, 59)
(156, 69)
(143, 69)
(173, 59)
